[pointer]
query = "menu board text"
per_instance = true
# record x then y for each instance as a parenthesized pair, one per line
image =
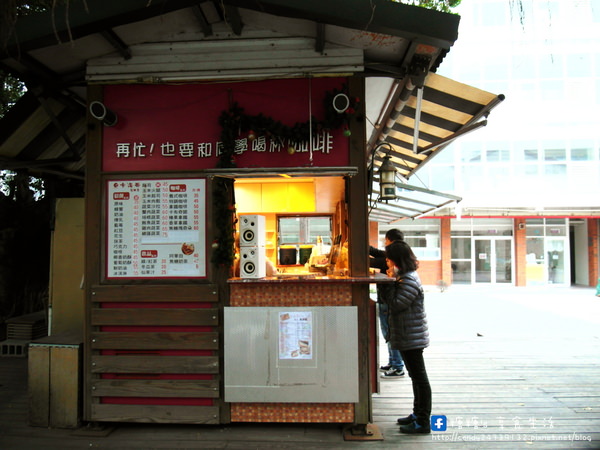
(156, 228)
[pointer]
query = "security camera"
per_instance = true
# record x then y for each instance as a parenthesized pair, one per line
(102, 113)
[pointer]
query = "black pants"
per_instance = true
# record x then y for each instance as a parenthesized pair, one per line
(414, 363)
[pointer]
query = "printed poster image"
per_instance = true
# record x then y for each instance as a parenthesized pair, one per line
(156, 228)
(295, 335)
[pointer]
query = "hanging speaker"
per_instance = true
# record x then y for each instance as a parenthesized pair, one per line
(103, 114)
(252, 230)
(253, 262)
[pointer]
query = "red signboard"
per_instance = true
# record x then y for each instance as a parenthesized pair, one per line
(176, 127)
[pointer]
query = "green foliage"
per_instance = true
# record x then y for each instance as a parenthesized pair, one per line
(438, 5)
(13, 188)
(11, 10)
(223, 212)
(24, 248)
(25, 214)
(11, 90)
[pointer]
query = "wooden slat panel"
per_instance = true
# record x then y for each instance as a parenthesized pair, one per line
(154, 364)
(155, 316)
(156, 414)
(156, 388)
(155, 341)
(153, 293)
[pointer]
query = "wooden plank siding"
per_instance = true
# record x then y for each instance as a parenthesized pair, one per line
(155, 341)
(207, 415)
(155, 364)
(154, 353)
(156, 388)
(133, 293)
(156, 316)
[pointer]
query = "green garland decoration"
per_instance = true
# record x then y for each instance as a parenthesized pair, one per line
(233, 123)
(223, 246)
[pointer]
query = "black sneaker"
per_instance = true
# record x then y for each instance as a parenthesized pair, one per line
(406, 420)
(393, 373)
(385, 368)
(414, 428)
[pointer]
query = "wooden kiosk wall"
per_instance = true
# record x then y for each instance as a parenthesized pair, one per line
(161, 358)
(153, 350)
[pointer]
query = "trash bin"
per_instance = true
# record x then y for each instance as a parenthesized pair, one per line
(55, 382)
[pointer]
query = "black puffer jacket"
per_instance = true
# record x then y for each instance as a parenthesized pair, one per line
(407, 320)
(377, 261)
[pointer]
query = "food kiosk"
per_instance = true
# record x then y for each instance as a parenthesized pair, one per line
(186, 171)
(180, 119)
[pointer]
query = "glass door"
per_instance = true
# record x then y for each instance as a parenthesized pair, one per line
(555, 250)
(483, 261)
(503, 251)
(493, 260)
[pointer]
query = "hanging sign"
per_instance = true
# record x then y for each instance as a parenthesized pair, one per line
(156, 228)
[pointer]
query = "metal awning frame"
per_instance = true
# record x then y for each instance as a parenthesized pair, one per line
(466, 110)
(421, 118)
(407, 207)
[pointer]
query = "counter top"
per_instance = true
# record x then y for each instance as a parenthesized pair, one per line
(314, 278)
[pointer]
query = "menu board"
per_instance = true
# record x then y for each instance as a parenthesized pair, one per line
(156, 228)
(295, 335)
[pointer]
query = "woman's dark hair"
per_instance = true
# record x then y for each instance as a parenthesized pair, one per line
(402, 256)
(394, 234)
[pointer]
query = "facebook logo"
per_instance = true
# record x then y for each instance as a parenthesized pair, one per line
(439, 423)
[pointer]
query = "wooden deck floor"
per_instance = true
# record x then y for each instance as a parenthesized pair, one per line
(510, 368)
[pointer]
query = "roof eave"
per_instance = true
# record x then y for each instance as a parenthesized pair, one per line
(78, 19)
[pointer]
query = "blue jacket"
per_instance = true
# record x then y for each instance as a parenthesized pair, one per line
(407, 320)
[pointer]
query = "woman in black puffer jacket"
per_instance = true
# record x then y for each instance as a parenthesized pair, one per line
(409, 332)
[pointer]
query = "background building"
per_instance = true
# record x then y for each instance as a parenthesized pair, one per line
(530, 179)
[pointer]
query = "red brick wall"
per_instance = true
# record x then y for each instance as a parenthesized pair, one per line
(430, 272)
(594, 273)
(446, 249)
(374, 234)
(519, 258)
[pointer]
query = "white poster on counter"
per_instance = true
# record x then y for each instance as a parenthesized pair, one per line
(295, 335)
(156, 228)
